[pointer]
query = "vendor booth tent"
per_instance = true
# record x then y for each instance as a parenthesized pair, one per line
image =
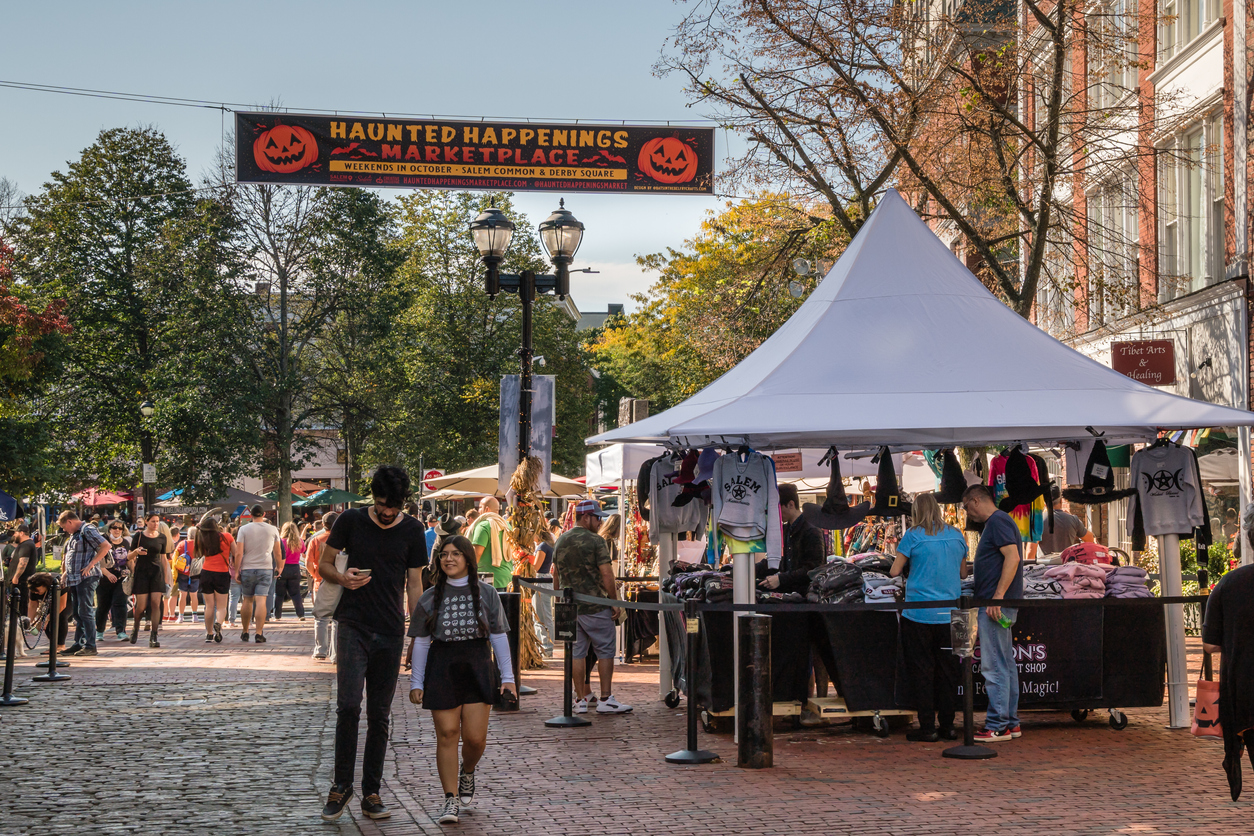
(900, 344)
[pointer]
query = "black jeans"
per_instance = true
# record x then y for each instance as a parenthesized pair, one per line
(111, 598)
(288, 587)
(372, 661)
(933, 672)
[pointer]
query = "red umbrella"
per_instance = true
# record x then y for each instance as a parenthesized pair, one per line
(93, 497)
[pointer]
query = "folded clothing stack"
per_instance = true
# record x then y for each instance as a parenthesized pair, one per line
(873, 562)
(1036, 585)
(1128, 582)
(1079, 580)
(968, 585)
(878, 587)
(833, 581)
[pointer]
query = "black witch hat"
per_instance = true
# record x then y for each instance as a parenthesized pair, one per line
(1099, 481)
(952, 483)
(1021, 487)
(835, 514)
(888, 499)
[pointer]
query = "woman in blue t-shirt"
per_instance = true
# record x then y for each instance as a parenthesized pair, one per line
(936, 553)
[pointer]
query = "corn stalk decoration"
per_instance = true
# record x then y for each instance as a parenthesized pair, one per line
(525, 524)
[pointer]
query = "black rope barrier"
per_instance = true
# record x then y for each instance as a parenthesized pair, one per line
(54, 637)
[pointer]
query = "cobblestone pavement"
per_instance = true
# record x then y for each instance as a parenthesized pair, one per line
(98, 755)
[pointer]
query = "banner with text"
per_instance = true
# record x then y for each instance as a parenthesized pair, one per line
(312, 150)
(1059, 658)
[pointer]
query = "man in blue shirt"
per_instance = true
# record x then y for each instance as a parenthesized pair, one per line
(430, 533)
(998, 574)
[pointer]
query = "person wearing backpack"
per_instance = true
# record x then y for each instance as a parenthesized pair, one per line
(188, 568)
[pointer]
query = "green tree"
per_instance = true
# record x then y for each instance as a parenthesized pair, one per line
(461, 343)
(359, 350)
(122, 236)
(717, 299)
(32, 350)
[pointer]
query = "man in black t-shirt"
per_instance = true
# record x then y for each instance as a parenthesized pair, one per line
(1226, 630)
(21, 566)
(386, 554)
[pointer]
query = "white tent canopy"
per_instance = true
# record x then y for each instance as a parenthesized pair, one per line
(901, 345)
(483, 481)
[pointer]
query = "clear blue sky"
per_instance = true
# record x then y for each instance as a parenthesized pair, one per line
(586, 60)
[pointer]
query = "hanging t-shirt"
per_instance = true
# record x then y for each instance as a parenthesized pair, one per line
(746, 500)
(666, 518)
(1029, 518)
(1168, 490)
(935, 570)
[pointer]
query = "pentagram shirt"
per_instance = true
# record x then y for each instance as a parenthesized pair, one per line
(1168, 488)
(456, 620)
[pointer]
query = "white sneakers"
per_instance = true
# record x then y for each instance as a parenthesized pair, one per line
(611, 705)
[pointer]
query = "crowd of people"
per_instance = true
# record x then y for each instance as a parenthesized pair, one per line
(375, 576)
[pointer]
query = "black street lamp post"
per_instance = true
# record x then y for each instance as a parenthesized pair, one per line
(561, 235)
(146, 409)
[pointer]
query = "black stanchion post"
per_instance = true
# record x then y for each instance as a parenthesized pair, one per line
(515, 637)
(564, 626)
(7, 698)
(54, 614)
(755, 712)
(968, 751)
(691, 754)
(512, 604)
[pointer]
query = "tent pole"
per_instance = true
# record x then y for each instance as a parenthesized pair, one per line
(666, 549)
(1243, 471)
(1179, 716)
(742, 593)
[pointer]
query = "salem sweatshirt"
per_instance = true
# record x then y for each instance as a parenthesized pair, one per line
(1168, 490)
(665, 518)
(746, 500)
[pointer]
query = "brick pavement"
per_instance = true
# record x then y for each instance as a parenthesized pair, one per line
(255, 758)
(94, 755)
(1061, 778)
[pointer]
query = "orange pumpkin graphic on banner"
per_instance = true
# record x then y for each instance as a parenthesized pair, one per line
(284, 149)
(668, 160)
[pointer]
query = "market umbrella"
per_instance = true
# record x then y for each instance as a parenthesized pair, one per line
(274, 495)
(93, 497)
(229, 498)
(330, 496)
(483, 480)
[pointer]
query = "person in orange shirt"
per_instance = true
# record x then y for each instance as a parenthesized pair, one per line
(324, 628)
(214, 545)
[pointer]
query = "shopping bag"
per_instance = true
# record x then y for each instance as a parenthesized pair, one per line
(1206, 711)
(327, 598)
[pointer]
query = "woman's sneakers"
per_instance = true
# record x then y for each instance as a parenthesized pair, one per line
(466, 789)
(449, 812)
(208, 638)
(217, 633)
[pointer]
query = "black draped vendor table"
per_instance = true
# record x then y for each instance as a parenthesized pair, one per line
(1069, 657)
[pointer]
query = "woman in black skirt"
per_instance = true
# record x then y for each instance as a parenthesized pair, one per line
(457, 626)
(150, 565)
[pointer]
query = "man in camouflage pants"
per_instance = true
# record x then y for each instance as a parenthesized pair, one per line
(581, 561)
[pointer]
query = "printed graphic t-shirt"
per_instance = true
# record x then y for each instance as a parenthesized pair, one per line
(456, 621)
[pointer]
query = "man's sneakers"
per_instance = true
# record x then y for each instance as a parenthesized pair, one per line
(84, 651)
(581, 707)
(466, 789)
(987, 735)
(1015, 731)
(337, 798)
(372, 806)
(448, 813)
(123, 637)
(611, 705)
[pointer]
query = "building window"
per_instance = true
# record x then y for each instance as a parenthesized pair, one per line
(1113, 238)
(1191, 210)
(1182, 21)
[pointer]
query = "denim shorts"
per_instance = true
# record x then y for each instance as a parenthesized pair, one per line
(255, 582)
